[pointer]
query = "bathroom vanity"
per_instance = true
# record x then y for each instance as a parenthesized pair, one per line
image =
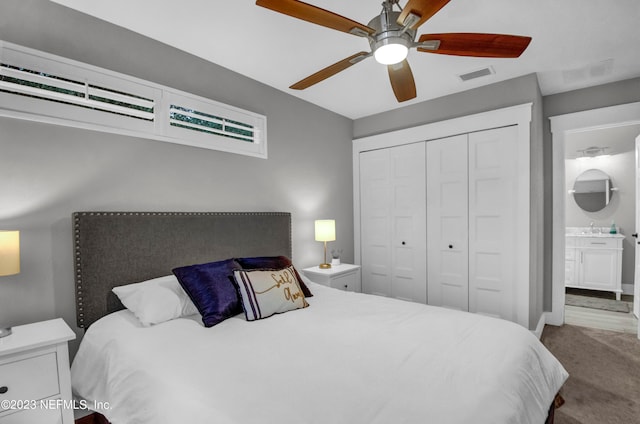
(593, 259)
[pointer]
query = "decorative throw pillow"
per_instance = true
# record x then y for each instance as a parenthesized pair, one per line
(157, 300)
(268, 292)
(273, 262)
(210, 286)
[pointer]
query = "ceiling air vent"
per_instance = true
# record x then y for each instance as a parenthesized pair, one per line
(590, 71)
(476, 74)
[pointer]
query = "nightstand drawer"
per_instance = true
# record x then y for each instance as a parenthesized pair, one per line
(345, 281)
(30, 378)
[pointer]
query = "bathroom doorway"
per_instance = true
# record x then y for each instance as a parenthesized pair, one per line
(564, 128)
(600, 175)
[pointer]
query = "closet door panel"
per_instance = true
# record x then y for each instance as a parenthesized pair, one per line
(408, 233)
(393, 228)
(492, 222)
(447, 222)
(375, 190)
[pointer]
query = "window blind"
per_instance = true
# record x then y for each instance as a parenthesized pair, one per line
(40, 86)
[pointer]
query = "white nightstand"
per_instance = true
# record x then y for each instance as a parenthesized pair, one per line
(343, 276)
(35, 381)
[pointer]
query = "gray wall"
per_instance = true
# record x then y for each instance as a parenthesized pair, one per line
(47, 172)
(494, 96)
(536, 291)
(503, 94)
(605, 95)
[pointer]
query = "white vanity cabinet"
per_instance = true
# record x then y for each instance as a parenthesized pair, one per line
(594, 262)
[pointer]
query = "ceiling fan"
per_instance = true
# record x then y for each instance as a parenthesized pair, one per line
(392, 33)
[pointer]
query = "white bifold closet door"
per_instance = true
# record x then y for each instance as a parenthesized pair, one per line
(393, 225)
(471, 193)
(448, 222)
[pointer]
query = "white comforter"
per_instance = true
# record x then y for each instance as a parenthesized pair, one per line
(348, 358)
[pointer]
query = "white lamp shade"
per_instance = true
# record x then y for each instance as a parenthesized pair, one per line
(9, 252)
(325, 230)
(390, 54)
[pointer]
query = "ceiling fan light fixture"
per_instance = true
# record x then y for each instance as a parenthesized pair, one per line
(390, 51)
(391, 41)
(390, 54)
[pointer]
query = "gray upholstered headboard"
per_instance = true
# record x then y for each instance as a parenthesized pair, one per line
(117, 248)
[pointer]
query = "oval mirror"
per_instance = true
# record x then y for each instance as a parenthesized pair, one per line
(592, 190)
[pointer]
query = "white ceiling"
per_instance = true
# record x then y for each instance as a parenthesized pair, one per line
(615, 140)
(576, 44)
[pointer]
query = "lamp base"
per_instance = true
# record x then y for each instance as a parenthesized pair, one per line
(4, 332)
(324, 266)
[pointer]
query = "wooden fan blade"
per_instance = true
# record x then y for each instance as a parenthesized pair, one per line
(480, 45)
(315, 15)
(402, 82)
(424, 9)
(330, 71)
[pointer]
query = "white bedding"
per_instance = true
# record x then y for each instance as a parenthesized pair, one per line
(348, 358)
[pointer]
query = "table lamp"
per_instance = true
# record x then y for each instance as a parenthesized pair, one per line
(9, 260)
(325, 231)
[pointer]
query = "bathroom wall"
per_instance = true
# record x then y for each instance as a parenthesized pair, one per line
(620, 166)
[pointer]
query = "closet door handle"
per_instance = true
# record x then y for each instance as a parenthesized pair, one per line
(451, 246)
(635, 235)
(403, 243)
(4, 389)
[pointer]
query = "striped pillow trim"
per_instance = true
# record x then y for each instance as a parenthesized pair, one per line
(266, 292)
(249, 302)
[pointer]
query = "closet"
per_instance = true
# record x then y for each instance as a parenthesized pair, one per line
(443, 215)
(471, 233)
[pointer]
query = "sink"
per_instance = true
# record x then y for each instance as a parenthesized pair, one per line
(586, 232)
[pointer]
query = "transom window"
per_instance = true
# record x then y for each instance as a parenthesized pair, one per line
(39, 86)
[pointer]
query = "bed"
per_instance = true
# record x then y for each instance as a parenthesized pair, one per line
(341, 358)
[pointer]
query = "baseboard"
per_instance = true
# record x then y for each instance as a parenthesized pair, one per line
(540, 327)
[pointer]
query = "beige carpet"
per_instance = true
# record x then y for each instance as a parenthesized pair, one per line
(604, 381)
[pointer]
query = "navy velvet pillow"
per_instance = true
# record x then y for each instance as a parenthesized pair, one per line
(210, 286)
(273, 262)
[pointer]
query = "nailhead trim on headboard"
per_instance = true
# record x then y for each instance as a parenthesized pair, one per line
(80, 292)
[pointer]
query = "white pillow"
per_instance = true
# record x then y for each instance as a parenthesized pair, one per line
(154, 301)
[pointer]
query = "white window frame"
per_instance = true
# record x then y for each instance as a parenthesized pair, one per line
(53, 108)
